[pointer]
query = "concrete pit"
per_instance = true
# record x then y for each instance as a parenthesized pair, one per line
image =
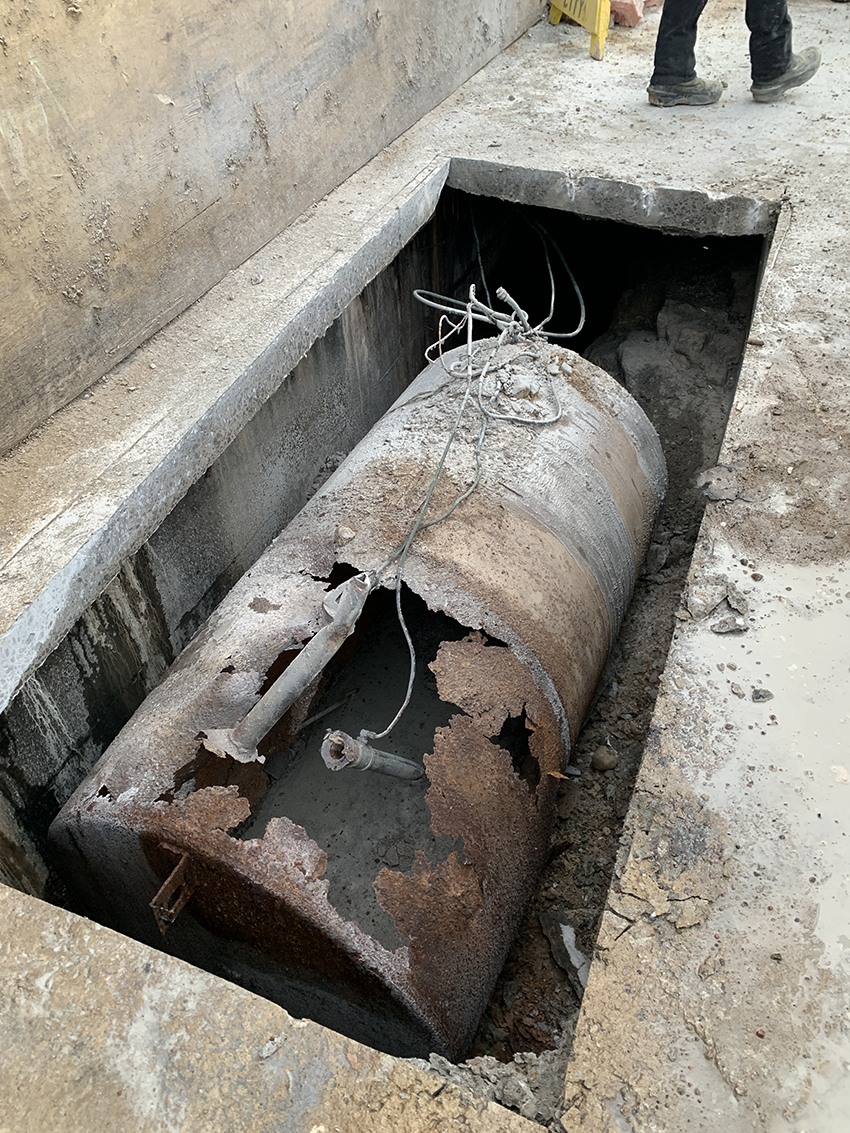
(649, 326)
(670, 325)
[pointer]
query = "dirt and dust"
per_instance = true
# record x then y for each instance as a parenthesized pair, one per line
(676, 343)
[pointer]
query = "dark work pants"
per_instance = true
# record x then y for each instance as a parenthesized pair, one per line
(770, 40)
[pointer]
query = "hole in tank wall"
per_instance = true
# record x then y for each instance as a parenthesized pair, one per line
(365, 822)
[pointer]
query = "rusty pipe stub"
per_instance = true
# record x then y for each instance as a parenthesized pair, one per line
(343, 605)
(339, 750)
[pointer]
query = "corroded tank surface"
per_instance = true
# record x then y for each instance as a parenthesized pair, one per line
(526, 582)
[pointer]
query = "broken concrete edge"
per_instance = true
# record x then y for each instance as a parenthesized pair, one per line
(152, 1043)
(748, 1008)
(130, 514)
(680, 209)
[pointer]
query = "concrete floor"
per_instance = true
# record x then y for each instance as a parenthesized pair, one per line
(719, 993)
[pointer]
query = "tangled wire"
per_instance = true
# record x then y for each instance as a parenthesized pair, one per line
(514, 329)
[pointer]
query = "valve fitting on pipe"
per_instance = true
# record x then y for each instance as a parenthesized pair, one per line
(339, 750)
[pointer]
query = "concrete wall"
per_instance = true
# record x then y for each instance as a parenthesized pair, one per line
(149, 146)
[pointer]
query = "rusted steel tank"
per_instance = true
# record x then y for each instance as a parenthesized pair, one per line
(173, 838)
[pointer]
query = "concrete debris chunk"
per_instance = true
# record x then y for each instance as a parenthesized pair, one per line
(531, 1084)
(720, 483)
(656, 558)
(730, 625)
(564, 928)
(705, 595)
(605, 758)
(736, 599)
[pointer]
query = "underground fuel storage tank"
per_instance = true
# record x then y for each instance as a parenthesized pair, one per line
(259, 818)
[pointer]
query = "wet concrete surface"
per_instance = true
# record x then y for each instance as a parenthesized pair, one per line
(746, 745)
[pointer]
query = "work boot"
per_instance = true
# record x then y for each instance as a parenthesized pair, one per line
(695, 92)
(803, 66)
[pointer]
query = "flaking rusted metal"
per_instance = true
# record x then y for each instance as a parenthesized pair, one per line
(343, 606)
(461, 916)
(537, 564)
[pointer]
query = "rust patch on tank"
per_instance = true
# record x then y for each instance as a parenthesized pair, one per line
(461, 915)
(271, 894)
(434, 908)
(207, 770)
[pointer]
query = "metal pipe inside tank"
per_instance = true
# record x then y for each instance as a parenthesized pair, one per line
(344, 605)
(339, 750)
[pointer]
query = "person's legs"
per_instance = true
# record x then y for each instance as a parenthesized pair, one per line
(800, 70)
(774, 66)
(674, 81)
(674, 48)
(770, 39)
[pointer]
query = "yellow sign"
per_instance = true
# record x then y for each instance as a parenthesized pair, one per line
(595, 15)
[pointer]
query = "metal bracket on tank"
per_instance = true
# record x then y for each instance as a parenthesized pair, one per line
(173, 894)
